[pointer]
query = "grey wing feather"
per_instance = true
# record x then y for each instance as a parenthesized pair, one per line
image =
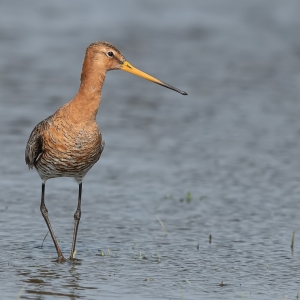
(34, 148)
(102, 146)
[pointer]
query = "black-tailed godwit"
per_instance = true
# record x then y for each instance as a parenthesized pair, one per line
(69, 142)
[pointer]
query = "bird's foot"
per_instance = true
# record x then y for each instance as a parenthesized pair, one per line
(61, 259)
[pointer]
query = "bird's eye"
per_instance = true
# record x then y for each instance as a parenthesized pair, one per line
(110, 54)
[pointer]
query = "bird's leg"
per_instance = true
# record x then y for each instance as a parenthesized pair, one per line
(44, 212)
(77, 216)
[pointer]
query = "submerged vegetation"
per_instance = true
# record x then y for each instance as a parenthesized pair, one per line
(293, 239)
(187, 198)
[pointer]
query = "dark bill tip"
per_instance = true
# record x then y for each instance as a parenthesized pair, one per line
(172, 88)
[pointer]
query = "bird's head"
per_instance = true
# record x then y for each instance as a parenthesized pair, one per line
(108, 57)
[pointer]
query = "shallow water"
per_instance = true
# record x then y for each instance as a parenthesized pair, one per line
(222, 161)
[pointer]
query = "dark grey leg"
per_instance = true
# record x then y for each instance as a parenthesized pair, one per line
(44, 212)
(77, 216)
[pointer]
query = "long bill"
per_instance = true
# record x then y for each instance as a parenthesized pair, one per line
(131, 69)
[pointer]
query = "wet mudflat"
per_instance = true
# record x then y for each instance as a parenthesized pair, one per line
(222, 161)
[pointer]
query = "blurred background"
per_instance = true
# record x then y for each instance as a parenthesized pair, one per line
(223, 160)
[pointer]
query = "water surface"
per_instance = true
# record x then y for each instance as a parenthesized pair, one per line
(222, 161)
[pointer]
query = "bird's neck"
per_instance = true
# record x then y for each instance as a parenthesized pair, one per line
(87, 100)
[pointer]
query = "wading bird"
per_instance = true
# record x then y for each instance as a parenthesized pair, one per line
(69, 142)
